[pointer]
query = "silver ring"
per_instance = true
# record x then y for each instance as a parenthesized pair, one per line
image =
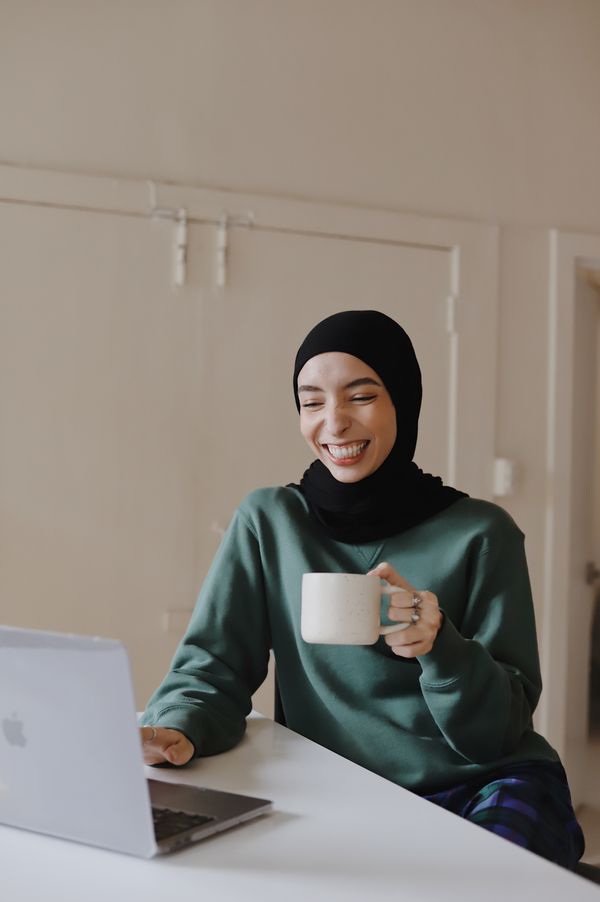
(416, 601)
(415, 617)
(152, 737)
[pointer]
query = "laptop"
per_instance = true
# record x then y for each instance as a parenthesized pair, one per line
(71, 762)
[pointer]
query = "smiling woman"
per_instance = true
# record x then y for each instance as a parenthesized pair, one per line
(346, 415)
(337, 418)
(456, 726)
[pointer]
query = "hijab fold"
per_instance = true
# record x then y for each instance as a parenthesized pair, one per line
(398, 495)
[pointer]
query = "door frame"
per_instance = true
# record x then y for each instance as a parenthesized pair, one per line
(567, 251)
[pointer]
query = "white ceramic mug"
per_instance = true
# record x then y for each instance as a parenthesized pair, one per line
(344, 608)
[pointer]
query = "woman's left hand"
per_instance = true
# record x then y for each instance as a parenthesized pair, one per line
(419, 637)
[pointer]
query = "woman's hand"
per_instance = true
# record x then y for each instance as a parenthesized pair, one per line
(418, 638)
(160, 744)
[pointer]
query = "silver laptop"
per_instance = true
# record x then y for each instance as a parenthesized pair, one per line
(71, 761)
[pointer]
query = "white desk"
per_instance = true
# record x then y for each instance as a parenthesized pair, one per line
(338, 832)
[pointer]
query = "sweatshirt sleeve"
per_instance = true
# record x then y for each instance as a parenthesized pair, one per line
(223, 656)
(481, 681)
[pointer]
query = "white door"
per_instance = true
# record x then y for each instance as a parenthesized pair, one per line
(279, 286)
(580, 601)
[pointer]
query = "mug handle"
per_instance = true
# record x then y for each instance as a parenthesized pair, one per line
(387, 589)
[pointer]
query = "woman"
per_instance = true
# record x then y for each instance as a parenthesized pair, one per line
(443, 707)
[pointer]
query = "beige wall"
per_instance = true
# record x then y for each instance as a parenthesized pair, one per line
(484, 109)
(477, 108)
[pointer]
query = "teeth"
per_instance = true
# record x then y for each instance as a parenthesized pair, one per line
(346, 451)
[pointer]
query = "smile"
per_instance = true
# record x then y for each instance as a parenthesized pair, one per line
(350, 452)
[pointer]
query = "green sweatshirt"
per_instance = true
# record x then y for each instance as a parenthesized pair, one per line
(459, 711)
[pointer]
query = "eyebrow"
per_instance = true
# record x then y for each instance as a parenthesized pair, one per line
(366, 380)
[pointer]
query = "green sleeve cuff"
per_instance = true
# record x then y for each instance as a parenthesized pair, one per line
(207, 735)
(440, 666)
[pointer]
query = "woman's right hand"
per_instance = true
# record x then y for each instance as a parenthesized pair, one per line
(161, 744)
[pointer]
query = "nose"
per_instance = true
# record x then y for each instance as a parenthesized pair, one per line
(337, 421)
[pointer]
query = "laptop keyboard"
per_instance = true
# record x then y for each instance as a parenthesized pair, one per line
(169, 823)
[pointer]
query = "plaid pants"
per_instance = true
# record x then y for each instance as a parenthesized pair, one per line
(528, 804)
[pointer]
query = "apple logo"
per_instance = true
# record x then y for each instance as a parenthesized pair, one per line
(13, 730)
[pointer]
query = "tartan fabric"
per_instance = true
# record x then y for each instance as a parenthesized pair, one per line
(528, 804)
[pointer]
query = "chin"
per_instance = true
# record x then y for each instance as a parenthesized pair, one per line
(346, 476)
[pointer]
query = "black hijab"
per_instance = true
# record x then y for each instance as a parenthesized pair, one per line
(398, 495)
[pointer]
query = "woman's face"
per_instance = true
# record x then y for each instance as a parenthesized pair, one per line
(346, 415)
